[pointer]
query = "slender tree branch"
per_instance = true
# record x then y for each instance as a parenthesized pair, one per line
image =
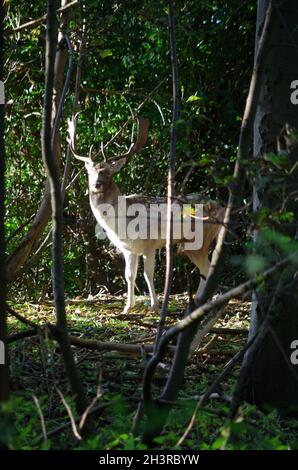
(21, 335)
(92, 344)
(225, 373)
(17, 261)
(113, 346)
(60, 331)
(242, 154)
(41, 416)
(58, 116)
(148, 98)
(171, 176)
(21, 318)
(4, 368)
(65, 426)
(198, 313)
(75, 101)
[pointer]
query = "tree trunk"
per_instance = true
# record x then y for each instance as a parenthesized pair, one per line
(4, 371)
(175, 378)
(60, 331)
(268, 378)
(28, 244)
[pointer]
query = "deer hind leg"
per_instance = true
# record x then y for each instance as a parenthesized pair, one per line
(149, 263)
(131, 268)
(201, 260)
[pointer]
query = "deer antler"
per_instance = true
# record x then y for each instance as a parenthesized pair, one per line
(140, 142)
(71, 140)
(134, 148)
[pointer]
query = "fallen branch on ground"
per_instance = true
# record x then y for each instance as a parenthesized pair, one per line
(21, 335)
(85, 343)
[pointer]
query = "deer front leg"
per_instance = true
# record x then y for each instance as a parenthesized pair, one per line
(149, 263)
(131, 267)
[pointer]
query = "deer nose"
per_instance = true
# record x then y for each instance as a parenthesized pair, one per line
(98, 184)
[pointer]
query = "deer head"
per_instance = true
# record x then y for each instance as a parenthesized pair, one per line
(100, 175)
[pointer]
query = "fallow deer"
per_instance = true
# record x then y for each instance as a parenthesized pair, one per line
(104, 194)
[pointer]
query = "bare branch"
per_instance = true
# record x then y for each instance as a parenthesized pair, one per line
(41, 416)
(227, 370)
(70, 414)
(60, 331)
(200, 312)
(75, 103)
(171, 176)
(4, 367)
(17, 261)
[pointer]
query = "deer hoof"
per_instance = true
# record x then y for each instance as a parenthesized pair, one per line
(128, 309)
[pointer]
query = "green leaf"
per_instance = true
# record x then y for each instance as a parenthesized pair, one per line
(278, 160)
(194, 98)
(105, 53)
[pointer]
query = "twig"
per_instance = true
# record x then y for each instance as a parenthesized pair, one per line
(64, 426)
(35, 257)
(42, 421)
(230, 331)
(242, 154)
(130, 118)
(69, 412)
(20, 227)
(227, 370)
(87, 343)
(89, 407)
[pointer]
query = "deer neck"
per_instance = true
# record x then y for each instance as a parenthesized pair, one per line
(99, 202)
(109, 196)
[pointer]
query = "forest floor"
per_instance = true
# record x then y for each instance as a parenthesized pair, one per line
(38, 376)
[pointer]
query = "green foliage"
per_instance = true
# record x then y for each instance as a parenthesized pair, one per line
(254, 264)
(20, 424)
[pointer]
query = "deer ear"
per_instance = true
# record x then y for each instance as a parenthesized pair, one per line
(116, 166)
